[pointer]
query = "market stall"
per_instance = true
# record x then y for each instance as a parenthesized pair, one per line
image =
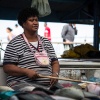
(79, 63)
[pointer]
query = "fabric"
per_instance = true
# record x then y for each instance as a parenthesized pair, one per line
(19, 53)
(35, 44)
(5, 95)
(42, 6)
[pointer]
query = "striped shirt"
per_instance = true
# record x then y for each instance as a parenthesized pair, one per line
(18, 53)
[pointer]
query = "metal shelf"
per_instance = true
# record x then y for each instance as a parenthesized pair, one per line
(79, 63)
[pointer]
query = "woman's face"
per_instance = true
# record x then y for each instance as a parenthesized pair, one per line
(7, 30)
(31, 24)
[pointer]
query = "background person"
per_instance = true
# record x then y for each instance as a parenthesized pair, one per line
(47, 32)
(10, 34)
(68, 34)
(19, 60)
(17, 30)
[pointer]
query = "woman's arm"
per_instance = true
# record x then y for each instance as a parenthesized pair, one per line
(55, 67)
(55, 72)
(14, 70)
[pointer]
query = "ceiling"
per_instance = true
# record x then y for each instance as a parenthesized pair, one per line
(78, 11)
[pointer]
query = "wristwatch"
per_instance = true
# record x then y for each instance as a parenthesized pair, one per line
(56, 73)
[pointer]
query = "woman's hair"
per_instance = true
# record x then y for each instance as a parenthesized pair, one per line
(9, 29)
(26, 13)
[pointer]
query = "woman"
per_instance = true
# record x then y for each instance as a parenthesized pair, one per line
(10, 34)
(21, 55)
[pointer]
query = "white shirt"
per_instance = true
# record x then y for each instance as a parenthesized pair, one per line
(35, 44)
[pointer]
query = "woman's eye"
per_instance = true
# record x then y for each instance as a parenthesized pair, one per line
(31, 20)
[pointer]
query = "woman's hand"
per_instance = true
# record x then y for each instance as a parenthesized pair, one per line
(31, 73)
(54, 81)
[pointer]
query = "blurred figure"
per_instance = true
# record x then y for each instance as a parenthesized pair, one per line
(75, 29)
(17, 30)
(10, 34)
(68, 34)
(47, 32)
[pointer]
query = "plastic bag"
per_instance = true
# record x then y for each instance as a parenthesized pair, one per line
(42, 6)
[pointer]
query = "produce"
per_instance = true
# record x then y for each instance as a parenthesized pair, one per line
(80, 51)
(70, 54)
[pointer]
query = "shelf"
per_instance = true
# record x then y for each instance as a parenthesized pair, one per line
(80, 63)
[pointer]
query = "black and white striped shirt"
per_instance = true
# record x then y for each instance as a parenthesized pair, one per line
(18, 53)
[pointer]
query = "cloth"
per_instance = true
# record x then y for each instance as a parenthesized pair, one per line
(19, 53)
(42, 6)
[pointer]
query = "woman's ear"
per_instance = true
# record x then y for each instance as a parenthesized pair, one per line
(23, 24)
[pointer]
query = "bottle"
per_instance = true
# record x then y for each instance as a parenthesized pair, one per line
(83, 75)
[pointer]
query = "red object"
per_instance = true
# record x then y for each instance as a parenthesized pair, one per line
(47, 33)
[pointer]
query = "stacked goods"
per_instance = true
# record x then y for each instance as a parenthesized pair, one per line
(81, 51)
(70, 54)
